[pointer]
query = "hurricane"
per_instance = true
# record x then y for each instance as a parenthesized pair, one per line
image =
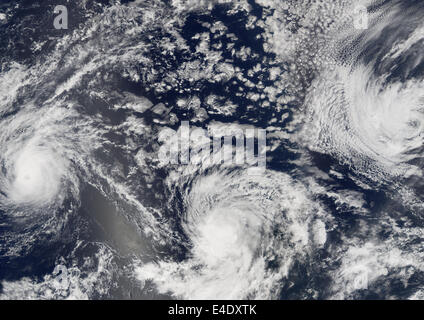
(244, 233)
(211, 150)
(368, 108)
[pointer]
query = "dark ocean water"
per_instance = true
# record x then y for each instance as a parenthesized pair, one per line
(125, 227)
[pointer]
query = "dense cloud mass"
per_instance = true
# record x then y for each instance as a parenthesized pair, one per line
(89, 209)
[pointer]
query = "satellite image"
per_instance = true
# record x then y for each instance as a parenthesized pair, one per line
(211, 149)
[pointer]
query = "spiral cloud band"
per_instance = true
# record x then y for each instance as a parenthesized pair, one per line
(107, 193)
